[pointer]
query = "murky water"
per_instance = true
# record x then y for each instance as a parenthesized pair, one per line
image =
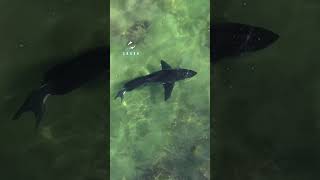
(151, 138)
(266, 103)
(71, 143)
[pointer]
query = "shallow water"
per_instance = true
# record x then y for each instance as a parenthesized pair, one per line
(266, 103)
(151, 138)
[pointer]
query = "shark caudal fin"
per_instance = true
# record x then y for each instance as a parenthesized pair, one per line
(35, 103)
(120, 94)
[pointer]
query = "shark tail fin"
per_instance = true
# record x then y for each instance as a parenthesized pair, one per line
(121, 94)
(35, 103)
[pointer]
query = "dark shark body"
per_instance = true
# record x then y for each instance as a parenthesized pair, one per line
(167, 77)
(64, 78)
(234, 39)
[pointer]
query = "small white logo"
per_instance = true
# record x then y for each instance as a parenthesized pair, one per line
(130, 50)
(131, 47)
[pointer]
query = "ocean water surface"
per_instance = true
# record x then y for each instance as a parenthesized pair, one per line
(266, 104)
(151, 138)
(36, 35)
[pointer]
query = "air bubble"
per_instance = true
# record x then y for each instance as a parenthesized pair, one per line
(228, 69)
(244, 4)
(21, 45)
(253, 68)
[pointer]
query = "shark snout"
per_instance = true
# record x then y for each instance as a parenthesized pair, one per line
(193, 73)
(190, 73)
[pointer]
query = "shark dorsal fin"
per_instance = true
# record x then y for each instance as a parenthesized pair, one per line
(168, 87)
(165, 65)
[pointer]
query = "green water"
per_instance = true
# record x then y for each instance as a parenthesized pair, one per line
(151, 138)
(266, 114)
(267, 103)
(71, 143)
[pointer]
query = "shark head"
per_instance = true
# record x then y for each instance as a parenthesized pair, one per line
(185, 73)
(234, 39)
(257, 38)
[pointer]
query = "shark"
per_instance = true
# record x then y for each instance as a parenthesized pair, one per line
(167, 76)
(235, 39)
(65, 77)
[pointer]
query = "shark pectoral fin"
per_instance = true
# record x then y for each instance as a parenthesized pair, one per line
(165, 65)
(168, 87)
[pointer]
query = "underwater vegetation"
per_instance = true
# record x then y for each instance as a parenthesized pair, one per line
(136, 33)
(151, 138)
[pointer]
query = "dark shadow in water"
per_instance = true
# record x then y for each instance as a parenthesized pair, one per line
(156, 91)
